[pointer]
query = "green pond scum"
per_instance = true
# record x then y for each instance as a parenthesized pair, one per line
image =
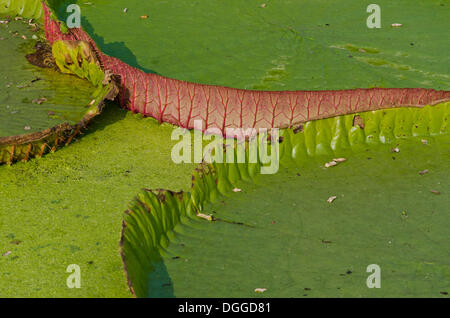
(350, 191)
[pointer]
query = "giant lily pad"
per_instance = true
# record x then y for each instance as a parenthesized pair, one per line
(281, 45)
(311, 229)
(40, 108)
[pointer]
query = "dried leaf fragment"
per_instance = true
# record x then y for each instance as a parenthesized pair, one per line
(39, 101)
(396, 25)
(435, 192)
(396, 149)
(339, 159)
(6, 253)
(331, 199)
(423, 172)
(358, 121)
(144, 16)
(206, 216)
(260, 290)
(330, 164)
(237, 190)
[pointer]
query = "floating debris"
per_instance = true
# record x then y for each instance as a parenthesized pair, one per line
(334, 162)
(298, 129)
(6, 253)
(260, 290)
(396, 149)
(358, 120)
(330, 164)
(424, 141)
(125, 10)
(39, 101)
(263, 5)
(144, 16)
(24, 37)
(206, 216)
(396, 25)
(237, 190)
(27, 127)
(423, 172)
(92, 102)
(435, 192)
(331, 199)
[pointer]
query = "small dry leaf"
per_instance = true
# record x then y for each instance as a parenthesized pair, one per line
(237, 190)
(206, 216)
(331, 199)
(27, 127)
(144, 16)
(423, 172)
(330, 164)
(339, 159)
(260, 290)
(125, 10)
(6, 253)
(362, 51)
(358, 121)
(424, 141)
(395, 149)
(92, 102)
(396, 25)
(24, 37)
(435, 192)
(263, 5)
(39, 101)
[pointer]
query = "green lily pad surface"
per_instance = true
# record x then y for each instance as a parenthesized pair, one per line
(276, 45)
(282, 234)
(33, 99)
